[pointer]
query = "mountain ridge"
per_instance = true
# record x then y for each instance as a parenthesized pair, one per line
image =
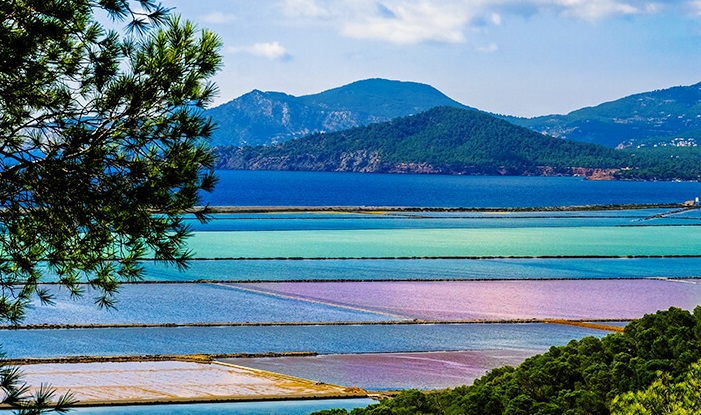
(663, 117)
(268, 118)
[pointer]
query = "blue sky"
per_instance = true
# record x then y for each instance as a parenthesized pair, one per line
(517, 57)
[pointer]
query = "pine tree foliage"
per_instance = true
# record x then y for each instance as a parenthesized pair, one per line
(102, 143)
(103, 147)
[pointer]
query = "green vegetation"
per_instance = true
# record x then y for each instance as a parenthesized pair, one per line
(663, 396)
(102, 149)
(456, 141)
(667, 113)
(653, 356)
(664, 162)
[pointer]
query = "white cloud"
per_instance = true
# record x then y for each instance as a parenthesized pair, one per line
(411, 22)
(696, 7)
(491, 48)
(269, 50)
(448, 21)
(306, 8)
(217, 17)
(597, 9)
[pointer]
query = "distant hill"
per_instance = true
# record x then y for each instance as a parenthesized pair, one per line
(657, 117)
(273, 117)
(441, 140)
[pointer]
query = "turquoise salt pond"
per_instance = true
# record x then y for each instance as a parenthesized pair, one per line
(497, 242)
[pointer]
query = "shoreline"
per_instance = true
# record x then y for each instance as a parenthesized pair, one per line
(381, 209)
(199, 357)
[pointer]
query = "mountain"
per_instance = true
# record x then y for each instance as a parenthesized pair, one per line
(273, 117)
(663, 117)
(441, 140)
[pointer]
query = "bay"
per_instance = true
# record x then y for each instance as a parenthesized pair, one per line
(275, 188)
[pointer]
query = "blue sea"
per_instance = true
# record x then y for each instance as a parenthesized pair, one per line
(273, 188)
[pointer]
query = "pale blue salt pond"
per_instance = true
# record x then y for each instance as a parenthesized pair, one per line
(343, 339)
(235, 408)
(191, 303)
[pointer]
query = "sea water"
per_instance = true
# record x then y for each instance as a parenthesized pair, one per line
(272, 188)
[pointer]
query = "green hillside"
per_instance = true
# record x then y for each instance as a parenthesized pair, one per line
(664, 114)
(449, 140)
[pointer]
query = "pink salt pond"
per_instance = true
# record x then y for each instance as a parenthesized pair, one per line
(497, 300)
(389, 371)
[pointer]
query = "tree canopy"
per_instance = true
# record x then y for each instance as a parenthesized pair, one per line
(639, 371)
(103, 143)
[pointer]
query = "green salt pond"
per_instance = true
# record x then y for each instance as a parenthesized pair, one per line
(497, 242)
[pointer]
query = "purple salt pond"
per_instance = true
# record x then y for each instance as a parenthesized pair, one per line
(386, 371)
(498, 300)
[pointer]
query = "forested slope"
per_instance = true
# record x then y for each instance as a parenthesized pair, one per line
(449, 140)
(583, 377)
